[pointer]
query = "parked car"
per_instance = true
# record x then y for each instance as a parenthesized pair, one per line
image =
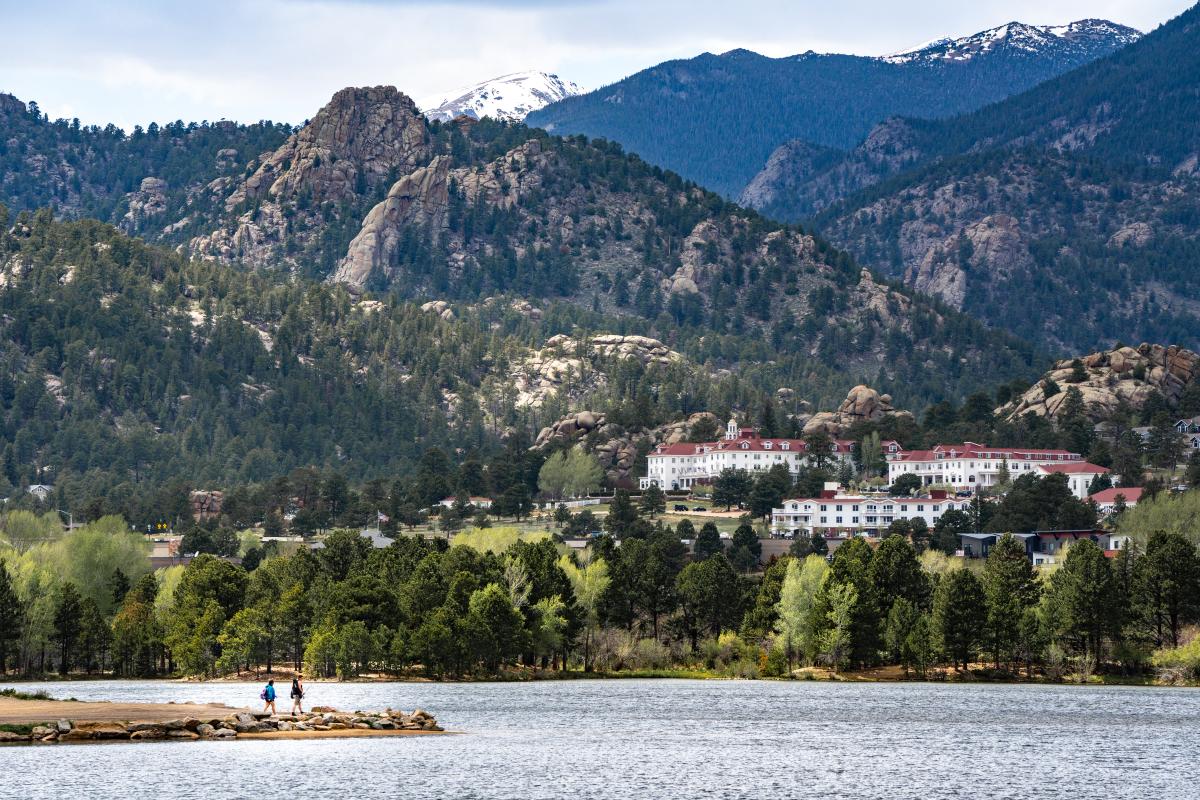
(699, 508)
(680, 507)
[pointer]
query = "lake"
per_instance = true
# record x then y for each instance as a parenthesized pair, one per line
(661, 739)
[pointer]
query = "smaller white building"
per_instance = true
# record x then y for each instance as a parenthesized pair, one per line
(1106, 500)
(478, 502)
(40, 490)
(1080, 475)
(858, 515)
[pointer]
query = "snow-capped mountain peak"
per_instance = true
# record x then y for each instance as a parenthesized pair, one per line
(1019, 37)
(508, 97)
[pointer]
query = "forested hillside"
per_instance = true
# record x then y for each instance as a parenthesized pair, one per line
(127, 366)
(1068, 212)
(717, 118)
(89, 171)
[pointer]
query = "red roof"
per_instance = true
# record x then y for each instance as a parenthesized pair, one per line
(976, 450)
(1132, 495)
(1074, 468)
(747, 444)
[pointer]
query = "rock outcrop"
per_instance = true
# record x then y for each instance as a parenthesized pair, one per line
(862, 404)
(570, 427)
(568, 364)
(1125, 375)
(614, 447)
(354, 145)
(149, 201)
(419, 199)
(994, 246)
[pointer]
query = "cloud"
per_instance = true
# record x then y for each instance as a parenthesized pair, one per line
(138, 60)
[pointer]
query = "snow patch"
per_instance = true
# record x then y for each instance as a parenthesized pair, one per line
(1018, 36)
(508, 97)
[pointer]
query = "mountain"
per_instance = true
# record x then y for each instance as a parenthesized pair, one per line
(371, 196)
(1079, 40)
(509, 97)
(1067, 213)
(717, 119)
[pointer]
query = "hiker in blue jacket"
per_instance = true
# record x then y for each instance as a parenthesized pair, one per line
(268, 696)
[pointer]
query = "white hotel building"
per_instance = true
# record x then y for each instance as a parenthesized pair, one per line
(681, 466)
(854, 515)
(970, 466)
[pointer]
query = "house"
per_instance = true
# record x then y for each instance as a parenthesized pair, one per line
(971, 466)
(40, 490)
(686, 464)
(1188, 426)
(979, 545)
(373, 535)
(1041, 547)
(1106, 500)
(1080, 475)
(478, 502)
(836, 514)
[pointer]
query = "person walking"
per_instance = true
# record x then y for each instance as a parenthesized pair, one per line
(268, 696)
(297, 695)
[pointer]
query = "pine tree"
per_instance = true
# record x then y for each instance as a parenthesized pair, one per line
(11, 616)
(959, 610)
(1010, 587)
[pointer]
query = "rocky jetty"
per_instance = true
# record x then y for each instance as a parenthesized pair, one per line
(1125, 375)
(321, 721)
(862, 404)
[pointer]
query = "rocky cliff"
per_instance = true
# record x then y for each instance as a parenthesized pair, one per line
(1125, 375)
(356, 145)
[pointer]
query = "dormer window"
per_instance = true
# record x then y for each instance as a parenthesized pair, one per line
(745, 445)
(766, 445)
(784, 446)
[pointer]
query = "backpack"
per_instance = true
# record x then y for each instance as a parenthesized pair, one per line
(263, 694)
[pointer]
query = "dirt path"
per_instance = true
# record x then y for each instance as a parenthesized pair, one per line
(13, 711)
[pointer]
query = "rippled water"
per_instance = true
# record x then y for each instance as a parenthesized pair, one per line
(666, 740)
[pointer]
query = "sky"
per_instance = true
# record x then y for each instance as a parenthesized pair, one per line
(136, 61)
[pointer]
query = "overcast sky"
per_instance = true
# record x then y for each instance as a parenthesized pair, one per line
(133, 61)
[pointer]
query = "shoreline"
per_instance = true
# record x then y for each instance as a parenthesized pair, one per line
(803, 675)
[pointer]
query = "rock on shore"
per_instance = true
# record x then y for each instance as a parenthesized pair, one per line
(243, 722)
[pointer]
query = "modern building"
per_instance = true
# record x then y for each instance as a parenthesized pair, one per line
(971, 466)
(836, 514)
(1042, 547)
(684, 465)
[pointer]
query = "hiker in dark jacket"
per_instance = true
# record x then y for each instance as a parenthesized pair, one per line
(297, 695)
